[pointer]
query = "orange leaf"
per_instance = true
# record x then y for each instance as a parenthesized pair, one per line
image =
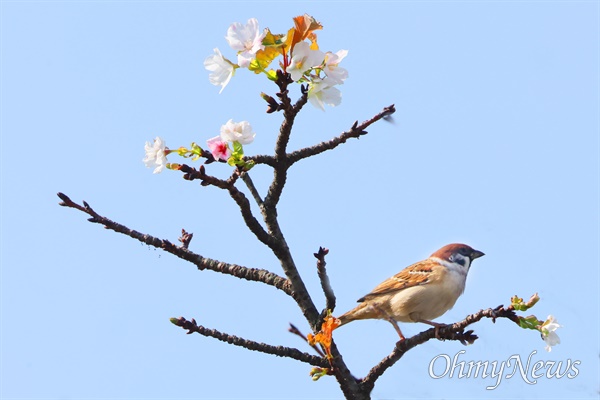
(323, 337)
(305, 27)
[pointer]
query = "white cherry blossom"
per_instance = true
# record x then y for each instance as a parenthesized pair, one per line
(155, 155)
(321, 92)
(237, 132)
(332, 69)
(548, 334)
(303, 59)
(221, 69)
(246, 40)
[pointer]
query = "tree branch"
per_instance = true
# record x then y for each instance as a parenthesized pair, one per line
(448, 332)
(349, 385)
(280, 351)
(297, 155)
(255, 227)
(281, 157)
(250, 274)
(283, 254)
(273, 239)
(289, 114)
(355, 132)
(325, 284)
(262, 159)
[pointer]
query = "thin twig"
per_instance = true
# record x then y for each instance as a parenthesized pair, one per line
(281, 351)
(355, 132)
(325, 284)
(250, 184)
(447, 332)
(296, 331)
(250, 274)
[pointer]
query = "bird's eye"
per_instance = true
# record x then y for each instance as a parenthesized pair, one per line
(457, 258)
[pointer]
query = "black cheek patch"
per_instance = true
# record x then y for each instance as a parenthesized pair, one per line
(460, 261)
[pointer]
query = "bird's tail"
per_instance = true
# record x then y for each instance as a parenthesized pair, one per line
(361, 311)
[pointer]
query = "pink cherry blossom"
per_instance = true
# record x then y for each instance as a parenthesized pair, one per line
(219, 149)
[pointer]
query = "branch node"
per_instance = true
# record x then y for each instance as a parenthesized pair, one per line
(65, 199)
(185, 238)
(389, 110)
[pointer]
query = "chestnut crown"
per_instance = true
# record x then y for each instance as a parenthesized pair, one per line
(457, 251)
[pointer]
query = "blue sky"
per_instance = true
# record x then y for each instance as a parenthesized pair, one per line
(494, 143)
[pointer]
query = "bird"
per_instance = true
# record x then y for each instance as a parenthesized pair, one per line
(420, 292)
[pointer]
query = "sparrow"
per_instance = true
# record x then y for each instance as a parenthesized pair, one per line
(420, 292)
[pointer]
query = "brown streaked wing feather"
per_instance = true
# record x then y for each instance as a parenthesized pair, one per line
(413, 275)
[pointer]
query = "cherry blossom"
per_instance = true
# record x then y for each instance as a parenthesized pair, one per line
(334, 72)
(221, 69)
(237, 132)
(156, 155)
(321, 92)
(246, 40)
(219, 149)
(548, 334)
(303, 59)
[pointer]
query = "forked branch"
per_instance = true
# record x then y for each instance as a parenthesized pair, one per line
(448, 332)
(240, 198)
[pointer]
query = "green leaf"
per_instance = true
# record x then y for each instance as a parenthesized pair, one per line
(238, 148)
(530, 322)
(272, 75)
(317, 372)
(196, 149)
(519, 305)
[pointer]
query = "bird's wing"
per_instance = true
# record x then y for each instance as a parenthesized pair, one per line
(417, 274)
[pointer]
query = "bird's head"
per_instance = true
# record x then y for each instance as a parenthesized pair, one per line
(458, 253)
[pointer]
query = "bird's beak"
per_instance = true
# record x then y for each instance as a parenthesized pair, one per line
(476, 254)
